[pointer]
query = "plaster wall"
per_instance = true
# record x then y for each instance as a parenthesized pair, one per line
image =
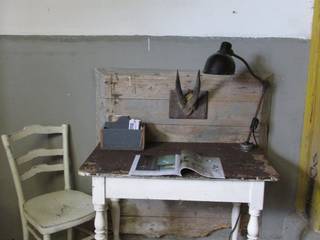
(231, 18)
(49, 80)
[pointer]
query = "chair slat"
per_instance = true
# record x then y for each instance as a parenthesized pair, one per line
(35, 129)
(41, 168)
(41, 152)
(34, 234)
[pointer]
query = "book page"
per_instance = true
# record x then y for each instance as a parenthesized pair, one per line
(146, 165)
(210, 167)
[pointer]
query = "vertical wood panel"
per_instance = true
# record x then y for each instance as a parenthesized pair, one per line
(310, 141)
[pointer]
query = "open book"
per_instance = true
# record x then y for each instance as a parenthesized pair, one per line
(145, 165)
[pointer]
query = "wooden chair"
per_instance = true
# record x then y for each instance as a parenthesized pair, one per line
(51, 212)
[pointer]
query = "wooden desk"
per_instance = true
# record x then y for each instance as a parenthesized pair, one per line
(246, 174)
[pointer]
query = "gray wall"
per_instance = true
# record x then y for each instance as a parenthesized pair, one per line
(50, 81)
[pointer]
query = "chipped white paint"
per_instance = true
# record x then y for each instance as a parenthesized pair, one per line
(41, 168)
(41, 152)
(35, 129)
(115, 188)
(100, 206)
(51, 212)
(233, 18)
(253, 225)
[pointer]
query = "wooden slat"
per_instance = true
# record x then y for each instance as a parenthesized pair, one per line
(189, 133)
(41, 168)
(42, 152)
(160, 226)
(157, 111)
(35, 129)
(158, 86)
(34, 234)
(182, 218)
(180, 209)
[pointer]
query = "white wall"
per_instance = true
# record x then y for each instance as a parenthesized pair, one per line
(225, 18)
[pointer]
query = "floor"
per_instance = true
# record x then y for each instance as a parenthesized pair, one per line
(311, 235)
(218, 235)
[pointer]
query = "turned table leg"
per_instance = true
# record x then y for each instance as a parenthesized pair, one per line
(235, 220)
(255, 208)
(99, 205)
(253, 225)
(115, 213)
(100, 222)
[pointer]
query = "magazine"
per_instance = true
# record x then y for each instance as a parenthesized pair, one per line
(176, 165)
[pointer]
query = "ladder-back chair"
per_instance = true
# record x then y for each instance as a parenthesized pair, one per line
(51, 212)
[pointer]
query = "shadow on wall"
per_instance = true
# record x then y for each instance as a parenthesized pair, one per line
(279, 196)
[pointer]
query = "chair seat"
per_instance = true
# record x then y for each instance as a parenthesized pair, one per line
(59, 210)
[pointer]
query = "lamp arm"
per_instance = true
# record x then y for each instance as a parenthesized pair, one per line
(264, 83)
(255, 121)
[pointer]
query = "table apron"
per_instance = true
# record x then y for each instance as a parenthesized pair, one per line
(251, 192)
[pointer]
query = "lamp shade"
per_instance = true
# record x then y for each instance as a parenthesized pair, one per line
(221, 63)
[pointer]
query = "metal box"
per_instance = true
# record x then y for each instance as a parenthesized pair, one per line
(117, 136)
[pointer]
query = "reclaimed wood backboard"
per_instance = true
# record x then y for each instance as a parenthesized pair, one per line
(144, 94)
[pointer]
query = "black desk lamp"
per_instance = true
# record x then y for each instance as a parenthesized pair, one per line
(222, 63)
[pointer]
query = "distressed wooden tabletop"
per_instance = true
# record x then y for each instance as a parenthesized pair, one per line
(236, 163)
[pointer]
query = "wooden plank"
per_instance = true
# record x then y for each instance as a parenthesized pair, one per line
(100, 107)
(181, 218)
(158, 86)
(315, 146)
(310, 140)
(160, 226)
(41, 152)
(157, 111)
(35, 129)
(179, 209)
(41, 168)
(190, 133)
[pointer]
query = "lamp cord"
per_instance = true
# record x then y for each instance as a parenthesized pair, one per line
(234, 227)
(265, 85)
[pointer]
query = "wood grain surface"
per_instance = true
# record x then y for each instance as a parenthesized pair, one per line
(144, 94)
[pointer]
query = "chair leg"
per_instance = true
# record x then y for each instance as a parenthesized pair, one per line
(70, 234)
(46, 237)
(25, 233)
(24, 229)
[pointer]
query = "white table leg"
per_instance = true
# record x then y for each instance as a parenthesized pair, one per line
(234, 220)
(115, 213)
(253, 225)
(255, 208)
(99, 205)
(99, 222)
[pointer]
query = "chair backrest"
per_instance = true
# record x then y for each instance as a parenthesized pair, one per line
(8, 140)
